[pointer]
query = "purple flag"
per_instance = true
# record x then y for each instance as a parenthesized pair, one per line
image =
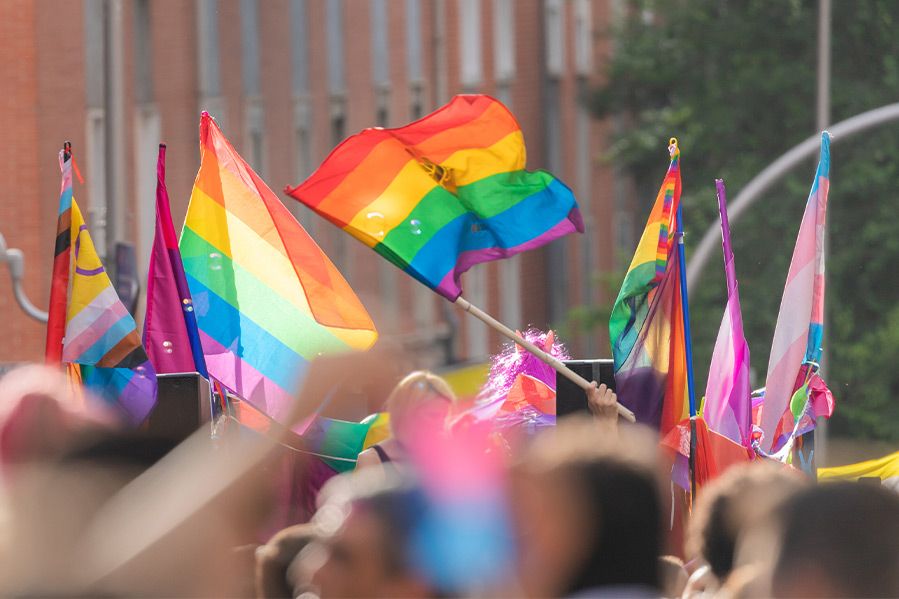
(170, 325)
(728, 405)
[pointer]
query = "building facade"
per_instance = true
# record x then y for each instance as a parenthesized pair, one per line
(287, 80)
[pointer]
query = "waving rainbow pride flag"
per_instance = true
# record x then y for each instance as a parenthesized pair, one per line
(266, 298)
(99, 334)
(646, 327)
(442, 194)
(799, 333)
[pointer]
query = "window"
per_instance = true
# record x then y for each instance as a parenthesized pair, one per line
(583, 37)
(380, 57)
(476, 293)
(95, 177)
(255, 135)
(147, 132)
(510, 280)
(143, 53)
(504, 39)
(413, 41)
(554, 33)
(208, 48)
(334, 24)
(470, 43)
(249, 32)
(299, 49)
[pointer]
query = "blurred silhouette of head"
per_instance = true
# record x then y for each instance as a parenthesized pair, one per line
(839, 540)
(366, 524)
(588, 511)
(420, 399)
(41, 415)
(739, 499)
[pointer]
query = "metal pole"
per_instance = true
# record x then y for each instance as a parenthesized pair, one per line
(15, 261)
(823, 120)
(688, 345)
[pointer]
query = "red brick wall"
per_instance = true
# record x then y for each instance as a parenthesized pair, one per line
(42, 60)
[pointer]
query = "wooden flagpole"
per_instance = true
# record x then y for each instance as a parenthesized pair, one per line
(545, 357)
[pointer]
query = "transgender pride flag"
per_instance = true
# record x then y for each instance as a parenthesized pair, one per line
(799, 331)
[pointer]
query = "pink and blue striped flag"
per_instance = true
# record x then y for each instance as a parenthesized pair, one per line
(170, 325)
(728, 403)
(799, 332)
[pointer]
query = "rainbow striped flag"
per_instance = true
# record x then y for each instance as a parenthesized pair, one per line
(799, 332)
(646, 327)
(442, 194)
(99, 334)
(266, 298)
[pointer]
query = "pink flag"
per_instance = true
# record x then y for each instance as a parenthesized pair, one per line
(728, 407)
(170, 326)
(799, 332)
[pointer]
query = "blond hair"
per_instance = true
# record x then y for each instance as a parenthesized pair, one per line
(412, 390)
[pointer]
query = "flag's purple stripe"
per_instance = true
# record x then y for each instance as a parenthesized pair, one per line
(450, 285)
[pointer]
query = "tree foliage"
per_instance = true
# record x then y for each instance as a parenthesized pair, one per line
(735, 81)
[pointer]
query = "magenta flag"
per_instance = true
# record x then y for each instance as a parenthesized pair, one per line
(728, 403)
(170, 325)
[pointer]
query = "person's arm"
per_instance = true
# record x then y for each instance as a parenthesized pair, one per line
(603, 403)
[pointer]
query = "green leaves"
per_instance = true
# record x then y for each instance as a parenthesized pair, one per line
(735, 82)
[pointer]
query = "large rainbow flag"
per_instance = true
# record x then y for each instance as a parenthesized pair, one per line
(266, 298)
(646, 327)
(799, 332)
(98, 335)
(442, 194)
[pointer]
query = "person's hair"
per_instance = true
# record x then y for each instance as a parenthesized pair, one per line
(673, 575)
(414, 388)
(739, 498)
(274, 558)
(619, 493)
(847, 533)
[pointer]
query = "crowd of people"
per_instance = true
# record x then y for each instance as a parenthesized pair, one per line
(446, 506)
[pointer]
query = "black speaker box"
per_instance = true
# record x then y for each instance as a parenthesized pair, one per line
(182, 405)
(570, 398)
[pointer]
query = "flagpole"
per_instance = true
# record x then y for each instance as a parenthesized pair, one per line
(557, 364)
(688, 344)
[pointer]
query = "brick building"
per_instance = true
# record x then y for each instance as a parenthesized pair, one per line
(287, 80)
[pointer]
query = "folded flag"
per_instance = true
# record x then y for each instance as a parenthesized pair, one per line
(646, 327)
(799, 332)
(442, 194)
(266, 298)
(728, 403)
(100, 336)
(170, 325)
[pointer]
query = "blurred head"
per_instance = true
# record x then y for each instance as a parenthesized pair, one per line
(274, 576)
(420, 399)
(40, 414)
(738, 500)
(839, 540)
(588, 510)
(366, 524)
